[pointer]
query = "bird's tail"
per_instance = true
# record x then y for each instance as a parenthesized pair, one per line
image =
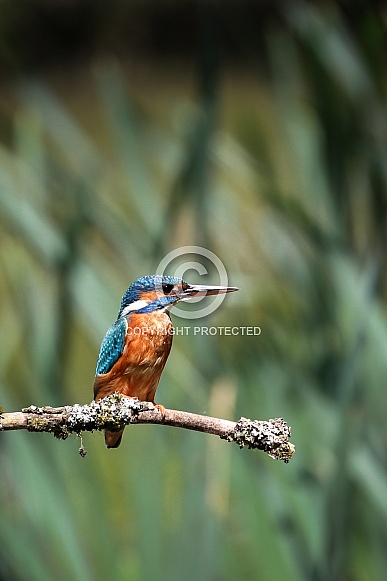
(113, 439)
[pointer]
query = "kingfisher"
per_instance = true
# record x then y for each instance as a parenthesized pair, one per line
(135, 348)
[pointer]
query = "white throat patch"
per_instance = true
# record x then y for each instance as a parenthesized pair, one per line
(134, 307)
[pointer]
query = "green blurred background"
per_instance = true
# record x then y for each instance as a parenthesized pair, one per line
(257, 130)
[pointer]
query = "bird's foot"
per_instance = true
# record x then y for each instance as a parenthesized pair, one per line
(160, 408)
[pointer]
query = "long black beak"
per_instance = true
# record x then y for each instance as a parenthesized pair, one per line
(200, 290)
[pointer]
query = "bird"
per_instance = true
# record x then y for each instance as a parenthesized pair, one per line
(136, 347)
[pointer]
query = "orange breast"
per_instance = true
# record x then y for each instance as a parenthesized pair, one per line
(137, 372)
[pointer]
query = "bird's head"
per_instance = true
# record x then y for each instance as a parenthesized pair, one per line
(156, 292)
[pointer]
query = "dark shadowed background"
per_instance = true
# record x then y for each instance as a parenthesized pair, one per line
(257, 130)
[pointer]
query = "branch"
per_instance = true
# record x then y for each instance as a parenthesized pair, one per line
(114, 412)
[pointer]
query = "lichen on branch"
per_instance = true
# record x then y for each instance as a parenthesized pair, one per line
(115, 412)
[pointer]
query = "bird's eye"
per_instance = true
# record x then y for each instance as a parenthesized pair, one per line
(167, 288)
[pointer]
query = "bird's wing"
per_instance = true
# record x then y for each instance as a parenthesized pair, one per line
(112, 346)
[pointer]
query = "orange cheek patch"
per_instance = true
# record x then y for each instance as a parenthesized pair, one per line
(150, 295)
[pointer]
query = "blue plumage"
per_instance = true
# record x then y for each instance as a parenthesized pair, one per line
(145, 284)
(114, 340)
(112, 346)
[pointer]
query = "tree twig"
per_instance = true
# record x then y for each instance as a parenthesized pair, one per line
(115, 412)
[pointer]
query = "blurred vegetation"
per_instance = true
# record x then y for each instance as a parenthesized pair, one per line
(257, 130)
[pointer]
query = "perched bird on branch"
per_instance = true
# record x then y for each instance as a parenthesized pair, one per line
(135, 349)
